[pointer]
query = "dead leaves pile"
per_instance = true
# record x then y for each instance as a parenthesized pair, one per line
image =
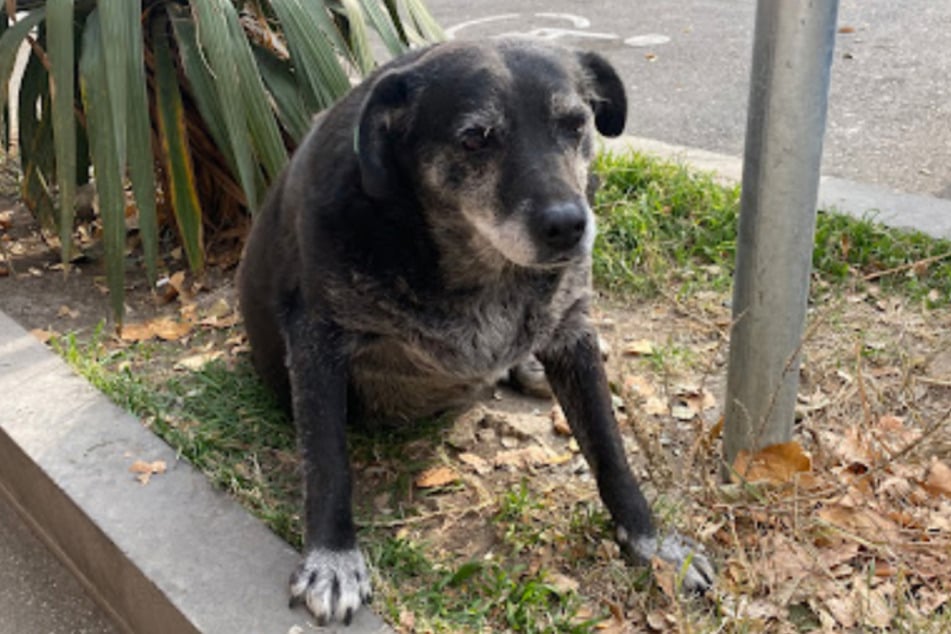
(860, 539)
(195, 312)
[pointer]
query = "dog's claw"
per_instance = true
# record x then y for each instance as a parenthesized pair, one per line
(684, 553)
(333, 584)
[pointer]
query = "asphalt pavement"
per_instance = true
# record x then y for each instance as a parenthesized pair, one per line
(687, 63)
(37, 594)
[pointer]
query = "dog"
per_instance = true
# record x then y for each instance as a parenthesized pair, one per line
(432, 232)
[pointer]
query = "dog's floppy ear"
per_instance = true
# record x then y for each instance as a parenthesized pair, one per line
(382, 118)
(609, 100)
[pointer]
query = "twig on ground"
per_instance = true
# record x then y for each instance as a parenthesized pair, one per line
(904, 267)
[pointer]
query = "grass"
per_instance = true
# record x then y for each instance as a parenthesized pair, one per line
(662, 229)
(663, 226)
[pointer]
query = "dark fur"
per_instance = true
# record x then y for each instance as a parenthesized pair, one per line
(401, 265)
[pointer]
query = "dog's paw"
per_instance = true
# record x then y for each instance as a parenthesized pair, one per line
(684, 553)
(333, 584)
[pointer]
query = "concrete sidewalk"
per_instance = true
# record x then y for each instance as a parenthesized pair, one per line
(38, 595)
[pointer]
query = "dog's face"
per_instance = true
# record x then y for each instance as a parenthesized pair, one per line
(495, 141)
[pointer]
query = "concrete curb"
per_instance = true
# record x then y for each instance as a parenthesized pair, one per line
(174, 555)
(927, 214)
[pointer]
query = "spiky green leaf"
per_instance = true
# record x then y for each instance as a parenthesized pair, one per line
(10, 43)
(359, 44)
(260, 118)
(215, 40)
(282, 85)
(175, 150)
(309, 30)
(103, 142)
(37, 157)
(382, 23)
(59, 25)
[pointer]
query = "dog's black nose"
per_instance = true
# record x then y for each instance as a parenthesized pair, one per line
(562, 225)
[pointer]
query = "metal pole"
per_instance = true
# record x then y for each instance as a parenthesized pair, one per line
(789, 87)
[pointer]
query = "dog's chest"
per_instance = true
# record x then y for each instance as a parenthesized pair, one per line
(471, 337)
(494, 333)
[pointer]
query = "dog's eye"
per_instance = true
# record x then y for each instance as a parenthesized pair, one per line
(476, 138)
(573, 126)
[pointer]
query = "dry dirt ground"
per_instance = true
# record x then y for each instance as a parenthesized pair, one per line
(846, 528)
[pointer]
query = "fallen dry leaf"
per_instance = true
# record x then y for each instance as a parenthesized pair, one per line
(164, 328)
(864, 522)
(559, 422)
(656, 406)
(479, 464)
(665, 577)
(195, 362)
(145, 470)
(67, 312)
(639, 348)
(776, 464)
(44, 335)
(525, 457)
(436, 477)
(636, 385)
(938, 481)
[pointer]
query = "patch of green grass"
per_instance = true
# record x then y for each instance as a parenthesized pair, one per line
(469, 597)
(663, 226)
(657, 218)
(223, 420)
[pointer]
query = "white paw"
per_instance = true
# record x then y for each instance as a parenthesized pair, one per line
(684, 553)
(333, 584)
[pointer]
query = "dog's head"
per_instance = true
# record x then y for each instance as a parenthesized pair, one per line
(494, 140)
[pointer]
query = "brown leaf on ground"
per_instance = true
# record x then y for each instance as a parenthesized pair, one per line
(145, 470)
(531, 456)
(892, 433)
(656, 406)
(852, 448)
(639, 348)
(930, 599)
(697, 399)
(44, 336)
(65, 312)
(478, 464)
(164, 328)
(195, 362)
(637, 385)
(436, 477)
(864, 522)
(665, 576)
(938, 480)
(776, 464)
(559, 422)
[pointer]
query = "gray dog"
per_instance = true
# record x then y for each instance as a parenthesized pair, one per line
(431, 233)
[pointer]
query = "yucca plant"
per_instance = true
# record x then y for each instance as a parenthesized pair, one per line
(191, 105)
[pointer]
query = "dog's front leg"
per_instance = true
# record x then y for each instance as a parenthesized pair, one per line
(332, 578)
(576, 374)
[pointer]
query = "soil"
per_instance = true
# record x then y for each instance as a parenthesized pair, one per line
(874, 404)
